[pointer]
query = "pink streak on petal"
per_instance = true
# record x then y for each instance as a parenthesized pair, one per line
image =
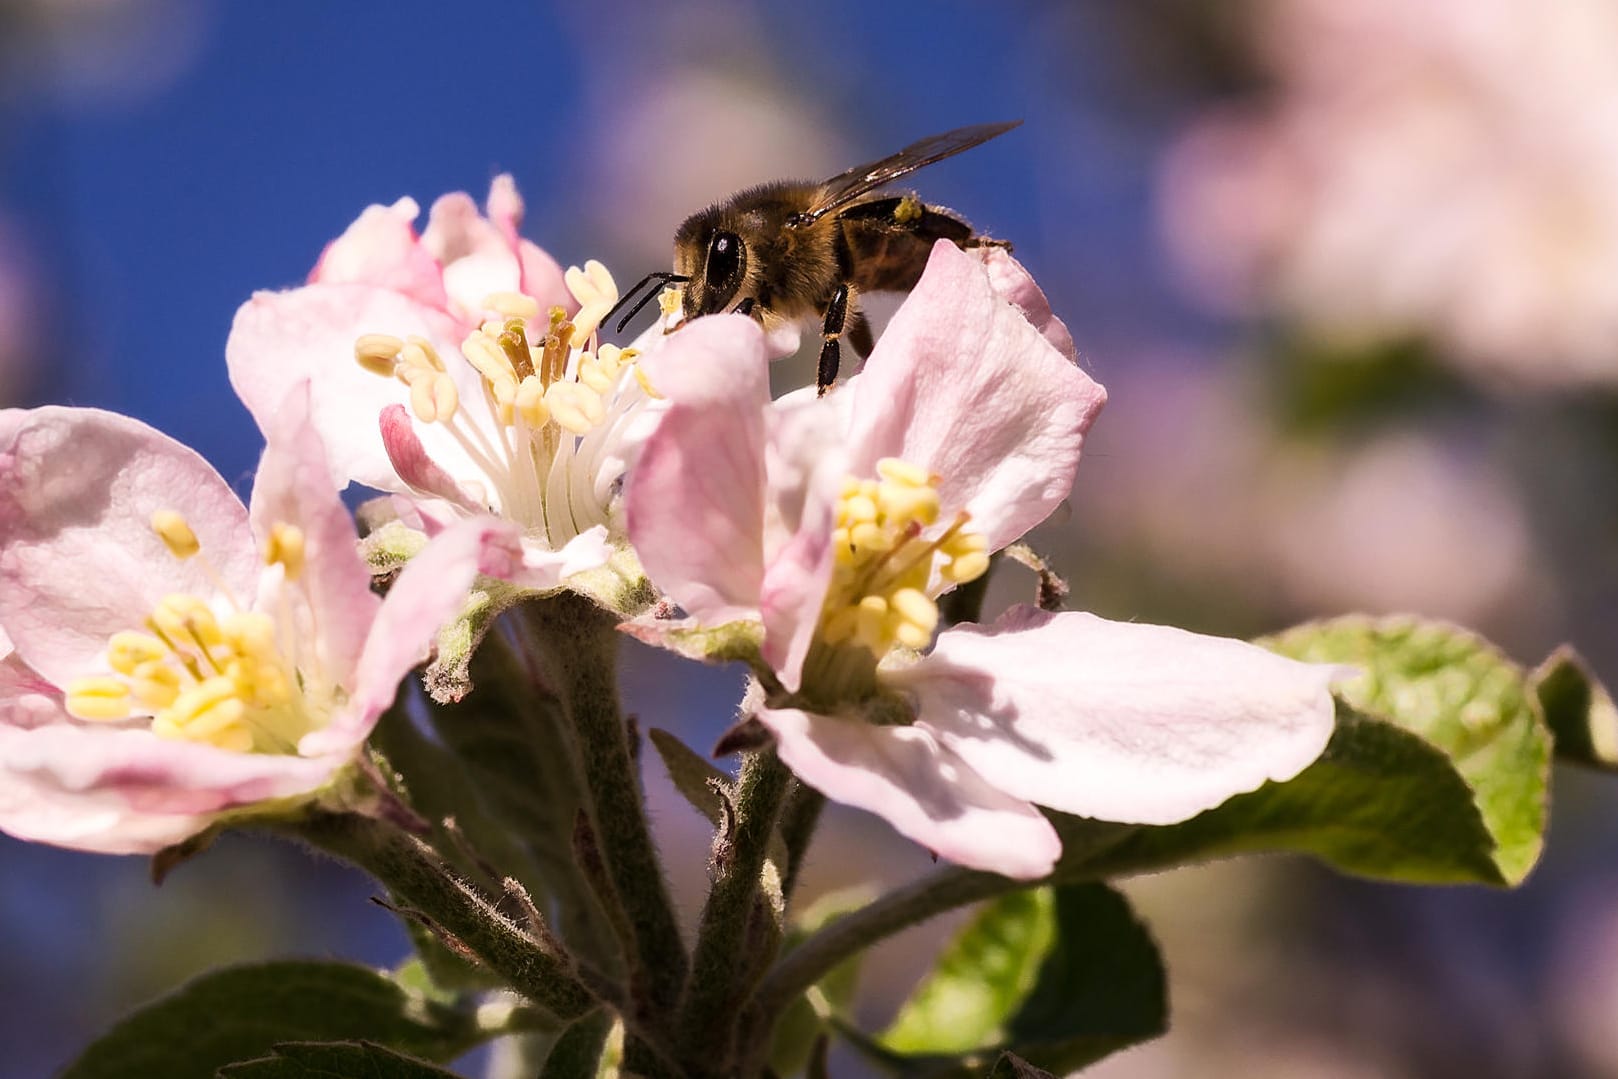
(381, 249)
(432, 589)
(413, 464)
(294, 487)
(1116, 720)
(805, 463)
(282, 338)
(78, 558)
(962, 384)
(927, 793)
(694, 503)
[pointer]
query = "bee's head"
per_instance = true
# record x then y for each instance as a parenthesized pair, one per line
(714, 257)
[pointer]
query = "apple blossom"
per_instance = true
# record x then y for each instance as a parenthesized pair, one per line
(172, 655)
(449, 371)
(833, 526)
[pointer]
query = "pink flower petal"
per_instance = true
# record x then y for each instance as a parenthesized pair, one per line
(413, 465)
(131, 792)
(1014, 284)
(962, 384)
(381, 249)
(78, 558)
(806, 463)
(1116, 720)
(541, 277)
(26, 699)
(694, 504)
(280, 339)
(432, 589)
(927, 793)
(294, 487)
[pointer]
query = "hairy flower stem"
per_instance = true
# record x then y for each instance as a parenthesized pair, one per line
(803, 966)
(740, 926)
(420, 881)
(579, 644)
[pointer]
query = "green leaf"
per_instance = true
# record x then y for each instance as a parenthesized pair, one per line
(1061, 976)
(1578, 709)
(241, 1013)
(1101, 987)
(333, 1060)
(979, 980)
(1380, 802)
(1458, 692)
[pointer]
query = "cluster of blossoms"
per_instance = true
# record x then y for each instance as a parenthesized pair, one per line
(173, 659)
(1407, 177)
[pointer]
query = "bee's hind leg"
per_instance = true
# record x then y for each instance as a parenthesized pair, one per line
(832, 329)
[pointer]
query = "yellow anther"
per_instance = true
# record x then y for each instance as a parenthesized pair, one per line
(206, 710)
(428, 350)
(903, 504)
(911, 635)
(185, 620)
(155, 684)
(646, 383)
(512, 304)
(858, 509)
(482, 353)
(530, 402)
(915, 608)
(593, 375)
(866, 536)
(175, 533)
(871, 628)
(421, 400)
(416, 362)
(378, 352)
(897, 470)
(596, 292)
(445, 398)
(574, 407)
(250, 633)
(612, 359)
(966, 567)
(99, 698)
(285, 548)
(128, 650)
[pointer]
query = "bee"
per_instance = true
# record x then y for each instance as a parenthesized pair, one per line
(790, 251)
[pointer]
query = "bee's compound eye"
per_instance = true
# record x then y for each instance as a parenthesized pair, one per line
(724, 262)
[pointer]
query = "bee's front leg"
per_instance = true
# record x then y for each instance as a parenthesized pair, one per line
(832, 329)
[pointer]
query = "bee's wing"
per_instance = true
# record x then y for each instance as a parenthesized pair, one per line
(844, 188)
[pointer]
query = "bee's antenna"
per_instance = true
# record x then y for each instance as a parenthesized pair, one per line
(662, 277)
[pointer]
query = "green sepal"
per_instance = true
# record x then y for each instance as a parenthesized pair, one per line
(241, 1013)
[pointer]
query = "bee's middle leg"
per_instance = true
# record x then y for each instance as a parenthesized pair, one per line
(832, 329)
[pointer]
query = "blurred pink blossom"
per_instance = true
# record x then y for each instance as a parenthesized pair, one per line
(1447, 169)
